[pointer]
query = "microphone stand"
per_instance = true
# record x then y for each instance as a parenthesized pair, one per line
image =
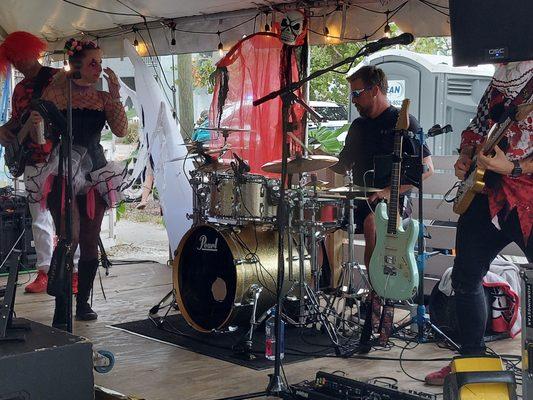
(276, 386)
(65, 154)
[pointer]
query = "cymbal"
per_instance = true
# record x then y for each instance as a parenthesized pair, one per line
(222, 129)
(296, 165)
(317, 183)
(329, 196)
(354, 189)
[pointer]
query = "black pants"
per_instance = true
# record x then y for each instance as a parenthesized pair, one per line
(478, 242)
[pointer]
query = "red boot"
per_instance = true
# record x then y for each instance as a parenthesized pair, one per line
(75, 283)
(437, 378)
(39, 284)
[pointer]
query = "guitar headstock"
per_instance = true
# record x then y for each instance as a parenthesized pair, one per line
(403, 118)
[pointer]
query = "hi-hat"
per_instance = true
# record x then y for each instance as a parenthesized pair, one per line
(354, 191)
(327, 196)
(296, 165)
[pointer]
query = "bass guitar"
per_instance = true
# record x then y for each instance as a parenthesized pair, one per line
(16, 154)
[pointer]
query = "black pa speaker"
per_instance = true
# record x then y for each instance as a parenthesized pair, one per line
(491, 31)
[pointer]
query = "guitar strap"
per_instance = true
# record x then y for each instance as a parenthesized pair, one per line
(41, 81)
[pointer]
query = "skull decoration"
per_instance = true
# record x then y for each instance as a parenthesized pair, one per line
(293, 28)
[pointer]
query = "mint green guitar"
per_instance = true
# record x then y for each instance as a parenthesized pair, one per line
(393, 270)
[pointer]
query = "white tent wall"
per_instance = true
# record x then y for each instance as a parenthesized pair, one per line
(56, 20)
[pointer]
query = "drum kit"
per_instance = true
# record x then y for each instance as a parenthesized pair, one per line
(225, 267)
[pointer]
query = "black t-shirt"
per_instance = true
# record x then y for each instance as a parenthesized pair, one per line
(370, 144)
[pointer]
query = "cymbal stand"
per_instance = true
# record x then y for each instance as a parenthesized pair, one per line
(309, 301)
(346, 284)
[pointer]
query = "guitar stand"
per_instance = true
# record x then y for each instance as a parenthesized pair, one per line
(421, 319)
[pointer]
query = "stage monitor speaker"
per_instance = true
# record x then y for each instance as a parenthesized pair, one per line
(490, 31)
(49, 365)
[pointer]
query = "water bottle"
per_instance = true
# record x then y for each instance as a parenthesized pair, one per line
(270, 336)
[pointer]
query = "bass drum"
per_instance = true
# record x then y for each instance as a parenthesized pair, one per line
(216, 270)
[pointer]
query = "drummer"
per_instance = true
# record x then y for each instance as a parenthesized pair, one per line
(368, 146)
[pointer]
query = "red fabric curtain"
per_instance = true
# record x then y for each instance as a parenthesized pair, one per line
(250, 70)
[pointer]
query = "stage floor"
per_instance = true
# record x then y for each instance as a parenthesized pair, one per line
(157, 371)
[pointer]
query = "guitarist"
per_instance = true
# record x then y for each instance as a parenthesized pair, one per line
(502, 214)
(371, 137)
(22, 50)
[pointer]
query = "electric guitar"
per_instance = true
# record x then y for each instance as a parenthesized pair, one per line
(473, 182)
(393, 270)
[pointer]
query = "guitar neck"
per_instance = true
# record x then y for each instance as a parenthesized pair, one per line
(402, 124)
(393, 209)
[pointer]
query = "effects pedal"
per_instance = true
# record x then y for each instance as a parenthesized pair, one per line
(334, 387)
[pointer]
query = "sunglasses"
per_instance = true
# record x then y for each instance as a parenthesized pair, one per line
(358, 92)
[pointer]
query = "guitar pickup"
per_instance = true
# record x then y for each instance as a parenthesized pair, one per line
(389, 270)
(388, 259)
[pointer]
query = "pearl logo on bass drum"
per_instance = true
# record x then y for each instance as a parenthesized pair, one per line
(206, 246)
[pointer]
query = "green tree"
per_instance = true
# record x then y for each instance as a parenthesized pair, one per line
(202, 68)
(331, 86)
(334, 87)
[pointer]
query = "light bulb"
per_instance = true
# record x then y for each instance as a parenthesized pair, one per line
(387, 30)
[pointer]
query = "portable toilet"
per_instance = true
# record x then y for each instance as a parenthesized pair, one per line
(439, 93)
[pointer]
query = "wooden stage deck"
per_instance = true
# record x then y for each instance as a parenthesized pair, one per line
(156, 371)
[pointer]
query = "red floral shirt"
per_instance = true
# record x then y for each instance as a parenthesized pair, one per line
(22, 96)
(508, 193)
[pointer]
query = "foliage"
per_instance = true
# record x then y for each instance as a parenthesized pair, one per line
(331, 86)
(334, 86)
(120, 210)
(131, 113)
(328, 139)
(107, 136)
(202, 68)
(133, 133)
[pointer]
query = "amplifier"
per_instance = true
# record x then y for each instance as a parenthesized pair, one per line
(14, 216)
(527, 331)
(334, 387)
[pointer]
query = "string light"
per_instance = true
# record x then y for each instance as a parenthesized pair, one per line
(387, 29)
(220, 45)
(172, 26)
(326, 29)
(267, 26)
(135, 41)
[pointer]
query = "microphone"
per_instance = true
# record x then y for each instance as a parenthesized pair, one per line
(404, 38)
(243, 166)
(437, 130)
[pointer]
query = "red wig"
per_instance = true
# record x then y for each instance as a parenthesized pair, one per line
(19, 46)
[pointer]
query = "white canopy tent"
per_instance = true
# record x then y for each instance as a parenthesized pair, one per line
(197, 22)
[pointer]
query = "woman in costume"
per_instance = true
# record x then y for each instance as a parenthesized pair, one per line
(96, 182)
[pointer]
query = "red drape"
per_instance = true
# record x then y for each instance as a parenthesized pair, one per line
(250, 70)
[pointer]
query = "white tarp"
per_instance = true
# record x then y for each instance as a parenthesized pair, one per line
(58, 19)
(163, 142)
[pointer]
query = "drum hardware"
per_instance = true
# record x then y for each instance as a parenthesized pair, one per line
(244, 347)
